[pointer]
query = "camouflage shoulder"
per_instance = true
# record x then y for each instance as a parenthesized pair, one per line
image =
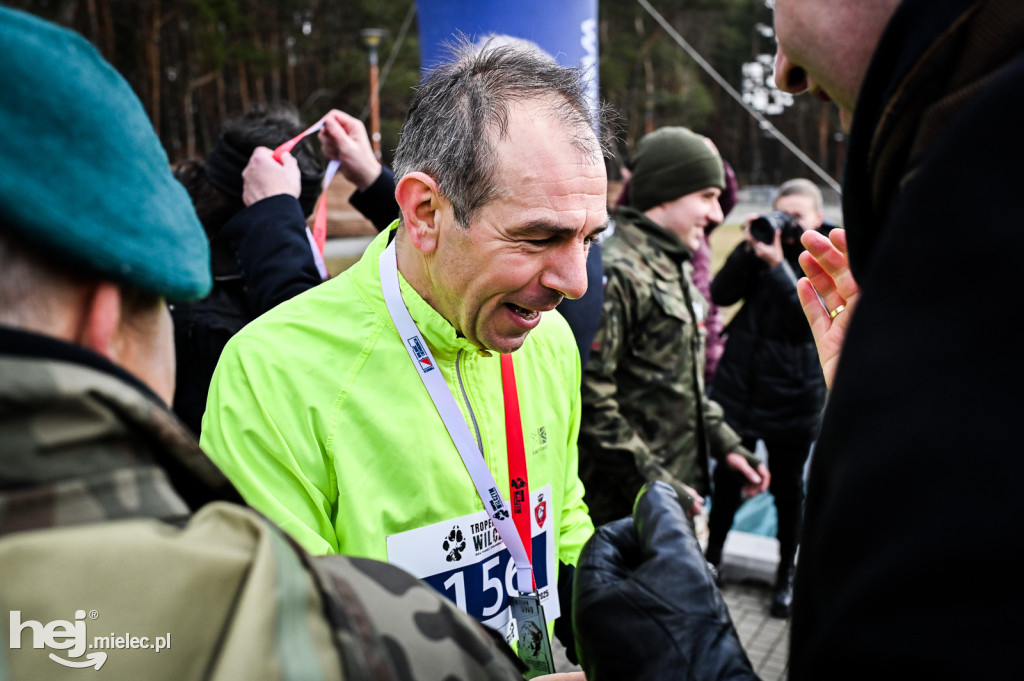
(628, 256)
(389, 625)
(628, 283)
(268, 609)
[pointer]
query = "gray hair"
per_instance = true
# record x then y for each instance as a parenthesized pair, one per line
(801, 187)
(35, 290)
(29, 288)
(462, 109)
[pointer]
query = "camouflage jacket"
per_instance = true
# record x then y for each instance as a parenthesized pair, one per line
(102, 563)
(645, 414)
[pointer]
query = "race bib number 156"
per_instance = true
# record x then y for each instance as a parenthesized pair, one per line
(466, 560)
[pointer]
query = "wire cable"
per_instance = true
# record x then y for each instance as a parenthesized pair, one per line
(758, 116)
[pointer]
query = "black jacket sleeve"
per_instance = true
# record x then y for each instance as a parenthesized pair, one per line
(377, 202)
(733, 281)
(273, 251)
(746, 277)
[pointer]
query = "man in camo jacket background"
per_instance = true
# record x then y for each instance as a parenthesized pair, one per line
(645, 414)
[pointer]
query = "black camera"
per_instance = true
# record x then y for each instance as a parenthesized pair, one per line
(763, 227)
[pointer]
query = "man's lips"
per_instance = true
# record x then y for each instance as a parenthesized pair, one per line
(526, 314)
(531, 312)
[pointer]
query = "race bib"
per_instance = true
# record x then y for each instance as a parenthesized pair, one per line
(466, 560)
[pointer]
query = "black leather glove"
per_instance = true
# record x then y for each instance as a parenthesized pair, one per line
(645, 605)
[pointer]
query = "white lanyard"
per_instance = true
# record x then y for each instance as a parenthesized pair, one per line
(449, 411)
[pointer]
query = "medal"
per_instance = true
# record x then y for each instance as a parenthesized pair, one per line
(534, 646)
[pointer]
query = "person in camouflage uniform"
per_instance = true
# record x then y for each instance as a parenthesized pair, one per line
(645, 415)
(102, 562)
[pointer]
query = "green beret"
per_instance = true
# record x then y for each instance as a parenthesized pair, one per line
(670, 163)
(84, 176)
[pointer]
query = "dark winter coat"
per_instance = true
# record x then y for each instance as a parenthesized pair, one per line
(914, 494)
(769, 381)
(260, 257)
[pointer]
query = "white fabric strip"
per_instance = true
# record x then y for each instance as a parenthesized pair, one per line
(449, 411)
(332, 168)
(318, 259)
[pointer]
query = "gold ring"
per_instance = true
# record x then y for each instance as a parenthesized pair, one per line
(836, 311)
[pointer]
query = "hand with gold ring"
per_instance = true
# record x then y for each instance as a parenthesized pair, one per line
(828, 294)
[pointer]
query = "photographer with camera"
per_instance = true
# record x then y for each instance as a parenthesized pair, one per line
(769, 381)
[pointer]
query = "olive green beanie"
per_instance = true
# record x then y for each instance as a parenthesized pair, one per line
(672, 162)
(84, 177)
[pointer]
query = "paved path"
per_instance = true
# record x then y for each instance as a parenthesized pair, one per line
(765, 638)
(749, 563)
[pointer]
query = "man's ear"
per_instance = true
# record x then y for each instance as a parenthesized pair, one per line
(101, 321)
(420, 201)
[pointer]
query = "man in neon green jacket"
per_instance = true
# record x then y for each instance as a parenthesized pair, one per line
(317, 411)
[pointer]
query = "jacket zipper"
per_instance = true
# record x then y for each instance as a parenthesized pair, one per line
(465, 399)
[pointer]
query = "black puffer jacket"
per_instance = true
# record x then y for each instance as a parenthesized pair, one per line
(769, 381)
(260, 257)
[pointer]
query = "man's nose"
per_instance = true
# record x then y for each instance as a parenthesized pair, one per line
(788, 76)
(567, 272)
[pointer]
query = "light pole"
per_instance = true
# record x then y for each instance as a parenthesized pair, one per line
(371, 38)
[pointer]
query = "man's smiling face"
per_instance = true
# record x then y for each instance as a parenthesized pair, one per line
(527, 249)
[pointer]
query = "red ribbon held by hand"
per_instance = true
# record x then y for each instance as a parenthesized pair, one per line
(290, 144)
(320, 218)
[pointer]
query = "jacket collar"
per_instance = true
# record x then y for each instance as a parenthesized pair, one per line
(662, 238)
(19, 343)
(68, 415)
(660, 249)
(901, 80)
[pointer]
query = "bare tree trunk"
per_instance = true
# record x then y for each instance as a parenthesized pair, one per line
(289, 74)
(107, 28)
(67, 14)
(274, 52)
(222, 104)
(243, 86)
(153, 57)
(170, 78)
(648, 95)
(756, 174)
(190, 125)
(823, 135)
(94, 22)
(840, 158)
(275, 70)
(261, 85)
